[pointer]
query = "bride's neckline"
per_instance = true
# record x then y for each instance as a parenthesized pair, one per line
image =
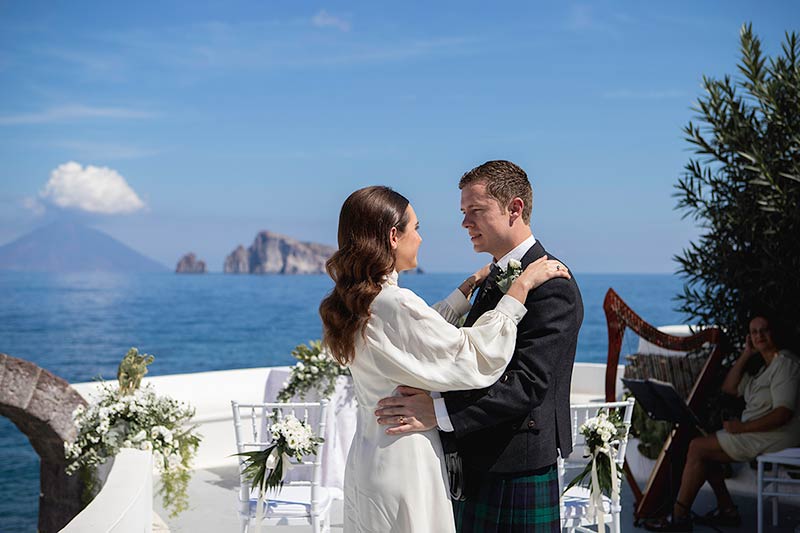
(391, 278)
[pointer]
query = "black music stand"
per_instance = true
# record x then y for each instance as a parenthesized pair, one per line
(662, 402)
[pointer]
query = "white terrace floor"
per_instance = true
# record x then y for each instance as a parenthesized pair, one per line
(213, 488)
(214, 495)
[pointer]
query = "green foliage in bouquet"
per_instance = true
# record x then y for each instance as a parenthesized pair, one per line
(132, 369)
(601, 433)
(130, 416)
(291, 439)
(743, 188)
(315, 369)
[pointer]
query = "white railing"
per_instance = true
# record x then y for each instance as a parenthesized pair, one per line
(125, 503)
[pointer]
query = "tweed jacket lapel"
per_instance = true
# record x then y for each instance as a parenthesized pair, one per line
(535, 252)
(489, 294)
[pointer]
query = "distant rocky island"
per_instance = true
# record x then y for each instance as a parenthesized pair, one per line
(189, 264)
(67, 246)
(272, 253)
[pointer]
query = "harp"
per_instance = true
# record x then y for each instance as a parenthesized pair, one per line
(659, 493)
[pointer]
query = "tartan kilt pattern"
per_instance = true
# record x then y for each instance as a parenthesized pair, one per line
(526, 504)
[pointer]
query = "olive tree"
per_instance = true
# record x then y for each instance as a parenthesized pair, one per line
(742, 187)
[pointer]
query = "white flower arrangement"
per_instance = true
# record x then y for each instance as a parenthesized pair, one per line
(602, 435)
(315, 369)
(291, 438)
(266, 469)
(506, 277)
(142, 420)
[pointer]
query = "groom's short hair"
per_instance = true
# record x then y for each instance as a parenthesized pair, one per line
(504, 182)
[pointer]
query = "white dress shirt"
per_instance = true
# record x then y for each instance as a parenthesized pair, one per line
(459, 305)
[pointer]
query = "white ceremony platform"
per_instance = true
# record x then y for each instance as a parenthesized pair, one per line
(213, 489)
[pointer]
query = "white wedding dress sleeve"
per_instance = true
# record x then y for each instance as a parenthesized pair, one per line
(414, 345)
(454, 307)
(398, 483)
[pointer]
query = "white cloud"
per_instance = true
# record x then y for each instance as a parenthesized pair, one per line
(73, 112)
(91, 189)
(323, 19)
(193, 51)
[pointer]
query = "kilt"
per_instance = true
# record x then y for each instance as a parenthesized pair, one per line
(524, 504)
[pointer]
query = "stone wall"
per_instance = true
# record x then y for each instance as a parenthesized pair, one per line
(41, 404)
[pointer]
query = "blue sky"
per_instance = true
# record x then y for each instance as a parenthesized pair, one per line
(225, 118)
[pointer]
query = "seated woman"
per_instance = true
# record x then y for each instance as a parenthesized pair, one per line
(770, 422)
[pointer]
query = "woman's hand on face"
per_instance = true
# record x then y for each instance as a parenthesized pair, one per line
(539, 271)
(748, 349)
(481, 274)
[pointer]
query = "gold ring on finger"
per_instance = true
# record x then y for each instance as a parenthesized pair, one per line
(402, 420)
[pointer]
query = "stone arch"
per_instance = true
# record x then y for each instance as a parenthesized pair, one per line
(41, 404)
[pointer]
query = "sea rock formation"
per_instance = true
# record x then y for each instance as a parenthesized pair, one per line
(189, 264)
(238, 262)
(272, 253)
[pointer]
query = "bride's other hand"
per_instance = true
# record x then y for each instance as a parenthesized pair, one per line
(482, 274)
(409, 412)
(541, 270)
(469, 284)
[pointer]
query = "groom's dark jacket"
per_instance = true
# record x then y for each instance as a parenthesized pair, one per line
(517, 425)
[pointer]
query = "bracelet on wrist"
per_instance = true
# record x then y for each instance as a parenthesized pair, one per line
(468, 286)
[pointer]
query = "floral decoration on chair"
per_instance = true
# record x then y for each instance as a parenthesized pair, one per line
(266, 469)
(602, 435)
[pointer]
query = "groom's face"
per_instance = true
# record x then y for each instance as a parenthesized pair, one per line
(484, 219)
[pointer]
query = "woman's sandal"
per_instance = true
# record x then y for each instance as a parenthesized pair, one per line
(672, 524)
(721, 517)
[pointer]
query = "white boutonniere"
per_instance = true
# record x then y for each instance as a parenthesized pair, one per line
(506, 277)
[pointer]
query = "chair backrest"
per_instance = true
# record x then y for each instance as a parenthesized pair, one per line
(251, 435)
(579, 414)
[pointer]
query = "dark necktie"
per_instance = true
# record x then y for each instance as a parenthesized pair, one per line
(489, 283)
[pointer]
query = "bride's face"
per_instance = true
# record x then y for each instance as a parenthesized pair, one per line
(406, 244)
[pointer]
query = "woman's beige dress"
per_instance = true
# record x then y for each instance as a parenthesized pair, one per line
(774, 386)
(399, 483)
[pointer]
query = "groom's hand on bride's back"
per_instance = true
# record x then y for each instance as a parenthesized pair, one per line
(411, 411)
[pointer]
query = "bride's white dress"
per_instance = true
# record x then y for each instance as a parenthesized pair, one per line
(399, 483)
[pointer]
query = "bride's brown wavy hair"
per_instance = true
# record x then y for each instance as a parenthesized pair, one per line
(364, 257)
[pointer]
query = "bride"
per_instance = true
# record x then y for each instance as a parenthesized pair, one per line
(390, 337)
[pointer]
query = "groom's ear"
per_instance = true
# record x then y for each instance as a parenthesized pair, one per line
(393, 238)
(515, 208)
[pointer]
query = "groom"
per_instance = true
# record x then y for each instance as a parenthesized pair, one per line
(502, 442)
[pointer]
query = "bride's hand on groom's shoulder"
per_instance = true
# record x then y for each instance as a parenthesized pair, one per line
(411, 411)
(541, 270)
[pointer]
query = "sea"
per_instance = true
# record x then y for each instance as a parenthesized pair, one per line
(79, 326)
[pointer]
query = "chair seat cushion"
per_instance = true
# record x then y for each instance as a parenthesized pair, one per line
(576, 503)
(292, 500)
